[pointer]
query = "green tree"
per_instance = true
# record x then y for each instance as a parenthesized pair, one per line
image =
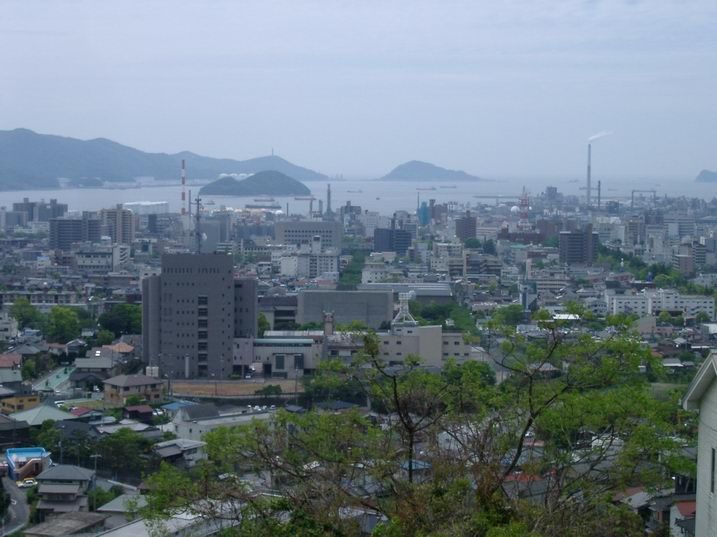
(451, 452)
(28, 369)
(26, 314)
(473, 243)
(105, 337)
(702, 317)
(263, 324)
(122, 319)
(509, 315)
(62, 325)
(121, 451)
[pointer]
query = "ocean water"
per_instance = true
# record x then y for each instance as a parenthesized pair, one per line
(384, 197)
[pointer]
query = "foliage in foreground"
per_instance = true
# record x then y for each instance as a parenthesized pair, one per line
(449, 453)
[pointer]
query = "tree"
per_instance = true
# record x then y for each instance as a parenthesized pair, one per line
(26, 315)
(62, 325)
(263, 324)
(450, 452)
(472, 242)
(509, 315)
(121, 451)
(105, 337)
(702, 317)
(122, 319)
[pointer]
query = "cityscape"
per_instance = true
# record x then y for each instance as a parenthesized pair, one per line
(238, 346)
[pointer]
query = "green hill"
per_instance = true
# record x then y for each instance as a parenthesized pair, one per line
(268, 183)
(416, 170)
(32, 160)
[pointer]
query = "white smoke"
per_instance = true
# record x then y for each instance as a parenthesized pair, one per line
(599, 135)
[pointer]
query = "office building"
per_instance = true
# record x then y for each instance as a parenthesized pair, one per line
(191, 314)
(466, 227)
(40, 211)
(303, 232)
(578, 247)
(64, 232)
(391, 240)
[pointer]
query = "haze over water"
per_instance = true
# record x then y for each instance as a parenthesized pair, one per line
(384, 197)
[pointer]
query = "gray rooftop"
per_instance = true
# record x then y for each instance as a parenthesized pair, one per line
(66, 472)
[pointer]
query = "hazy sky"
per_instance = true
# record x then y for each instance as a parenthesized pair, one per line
(498, 88)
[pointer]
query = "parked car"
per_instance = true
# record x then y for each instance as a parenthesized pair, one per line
(26, 483)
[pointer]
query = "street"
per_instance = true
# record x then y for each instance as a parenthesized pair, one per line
(18, 511)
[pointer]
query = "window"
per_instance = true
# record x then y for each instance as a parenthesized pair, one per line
(202, 323)
(202, 334)
(279, 359)
(712, 472)
(202, 300)
(202, 312)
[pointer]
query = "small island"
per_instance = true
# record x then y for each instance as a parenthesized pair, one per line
(266, 183)
(706, 176)
(416, 170)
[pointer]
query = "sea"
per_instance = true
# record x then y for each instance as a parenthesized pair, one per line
(381, 196)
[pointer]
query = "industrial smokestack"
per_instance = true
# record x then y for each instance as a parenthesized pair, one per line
(184, 186)
(589, 185)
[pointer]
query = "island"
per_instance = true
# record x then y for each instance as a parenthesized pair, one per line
(416, 170)
(266, 183)
(706, 176)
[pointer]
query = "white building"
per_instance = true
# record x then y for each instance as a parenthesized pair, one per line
(653, 301)
(702, 396)
(8, 326)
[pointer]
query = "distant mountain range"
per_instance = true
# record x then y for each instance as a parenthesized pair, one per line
(30, 160)
(267, 183)
(706, 176)
(415, 170)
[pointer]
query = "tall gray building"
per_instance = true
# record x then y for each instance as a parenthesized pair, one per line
(191, 314)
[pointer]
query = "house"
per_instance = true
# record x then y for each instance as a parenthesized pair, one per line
(11, 378)
(119, 388)
(91, 372)
(141, 413)
(702, 395)
(10, 360)
(122, 509)
(79, 523)
(13, 432)
(26, 462)
(63, 489)
(22, 398)
(35, 417)
(181, 452)
(150, 432)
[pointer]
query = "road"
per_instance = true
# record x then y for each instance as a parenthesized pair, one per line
(53, 380)
(18, 512)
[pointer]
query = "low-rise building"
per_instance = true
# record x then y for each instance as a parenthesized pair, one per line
(63, 488)
(119, 388)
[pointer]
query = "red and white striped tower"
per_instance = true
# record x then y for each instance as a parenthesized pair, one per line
(184, 186)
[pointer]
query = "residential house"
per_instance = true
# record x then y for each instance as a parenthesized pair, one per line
(141, 413)
(35, 417)
(181, 452)
(15, 400)
(79, 523)
(121, 387)
(122, 509)
(63, 488)
(91, 372)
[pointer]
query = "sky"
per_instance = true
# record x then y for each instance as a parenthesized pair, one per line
(498, 88)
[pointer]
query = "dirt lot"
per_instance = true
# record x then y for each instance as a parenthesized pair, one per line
(231, 387)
